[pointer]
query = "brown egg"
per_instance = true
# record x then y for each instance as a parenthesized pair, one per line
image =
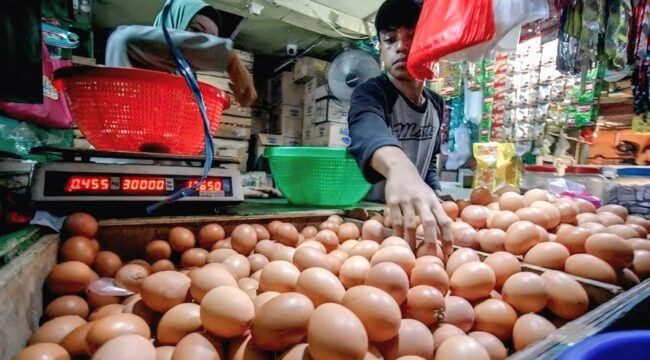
(242, 348)
(75, 342)
(552, 212)
(78, 248)
(588, 218)
(568, 212)
(265, 247)
(262, 232)
(69, 277)
(640, 230)
(444, 332)
(348, 231)
(618, 210)
(607, 219)
(142, 263)
(165, 352)
(451, 209)
(158, 250)
(106, 311)
(282, 252)
(372, 230)
(594, 228)
(502, 220)
(227, 311)
(330, 225)
(638, 220)
(496, 317)
(462, 204)
(328, 239)
(210, 234)
(394, 240)
(458, 312)
(296, 352)
(282, 322)
(585, 206)
(67, 305)
(472, 281)
(238, 265)
(308, 257)
(511, 202)
(195, 257)
(529, 329)
(365, 248)
(314, 244)
(641, 263)
(43, 351)
(257, 262)
(273, 227)
(281, 276)
(551, 255)
(163, 290)
(611, 248)
(244, 239)
(334, 264)
(181, 239)
(53, 331)
(504, 265)
(390, 278)
(543, 234)
(480, 196)
(566, 297)
(639, 244)
(624, 231)
(573, 238)
(348, 245)
(534, 215)
(494, 347)
(354, 271)
(287, 234)
(525, 292)
(520, 237)
(219, 255)
(335, 332)
(113, 326)
(96, 300)
(590, 267)
(320, 286)
(461, 347)
(222, 244)
(475, 216)
(430, 273)
(178, 322)
(198, 346)
(81, 224)
(467, 238)
(309, 232)
(208, 278)
(425, 304)
(460, 257)
(414, 338)
(395, 254)
(107, 263)
(535, 195)
(377, 310)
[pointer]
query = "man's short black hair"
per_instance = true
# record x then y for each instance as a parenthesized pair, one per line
(394, 14)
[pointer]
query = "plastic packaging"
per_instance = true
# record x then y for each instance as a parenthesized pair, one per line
(105, 286)
(563, 187)
(19, 138)
(495, 165)
(462, 149)
(448, 26)
(617, 33)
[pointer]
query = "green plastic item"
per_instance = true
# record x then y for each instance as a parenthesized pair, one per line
(317, 176)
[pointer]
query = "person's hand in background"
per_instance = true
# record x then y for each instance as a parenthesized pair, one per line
(241, 82)
(255, 192)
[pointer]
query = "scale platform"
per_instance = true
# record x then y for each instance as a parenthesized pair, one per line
(119, 182)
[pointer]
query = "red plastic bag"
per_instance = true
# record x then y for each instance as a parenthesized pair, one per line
(53, 112)
(447, 26)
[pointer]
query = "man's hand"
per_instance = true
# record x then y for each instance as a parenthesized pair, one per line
(241, 85)
(407, 195)
(261, 192)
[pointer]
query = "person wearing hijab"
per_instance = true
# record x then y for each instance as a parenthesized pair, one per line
(194, 27)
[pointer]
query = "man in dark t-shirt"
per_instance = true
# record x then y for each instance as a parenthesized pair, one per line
(395, 129)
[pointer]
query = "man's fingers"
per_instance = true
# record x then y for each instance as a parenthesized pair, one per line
(429, 224)
(396, 219)
(444, 224)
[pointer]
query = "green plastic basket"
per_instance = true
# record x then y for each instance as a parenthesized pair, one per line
(317, 176)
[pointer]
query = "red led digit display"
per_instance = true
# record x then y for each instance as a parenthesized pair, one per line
(207, 185)
(88, 184)
(143, 184)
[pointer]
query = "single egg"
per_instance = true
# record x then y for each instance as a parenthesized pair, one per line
(257, 262)
(181, 239)
(377, 310)
(430, 273)
(502, 220)
(81, 224)
(227, 311)
(492, 240)
(55, 330)
(198, 346)
(208, 278)
(328, 239)
(372, 230)
(309, 232)
(244, 238)
(354, 271)
(390, 278)
(281, 276)
(451, 209)
(566, 297)
(178, 322)
(365, 248)
(534, 215)
(308, 257)
(163, 290)
(611, 248)
(348, 231)
(551, 255)
(287, 234)
(535, 195)
(320, 286)
(113, 326)
(494, 347)
(67, 305)
(195, 257)
(107, 263)
(529, 329)
(553, 213)
(459, 312)
(335, 332)
(480, 196)
(461, 347)
(282, 322)
(413, 338)
(238, 265)
(590, 267)
(504, 266)
(425, 304)
(70, 277)
(460, 257)
(607, 219)
(618, 210)
(511, 201)
(210, 234)
(475, 216)
(78, 248)
(395, 254)
(472, 281)
(525, 292)
(520, 237)
(496, 317)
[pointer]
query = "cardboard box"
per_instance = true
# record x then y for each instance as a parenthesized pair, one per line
(287, 120)
(262, 141)
(229, 131)
(331, 110)
(309, 104)
(232, 148)
(308, 68)
(292, 141)
(321, 92)
(283, 91)
(327, 134)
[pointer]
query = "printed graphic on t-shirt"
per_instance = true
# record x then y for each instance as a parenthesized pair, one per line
(413, 131)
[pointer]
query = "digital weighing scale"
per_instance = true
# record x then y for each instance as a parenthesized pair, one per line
(115, 182)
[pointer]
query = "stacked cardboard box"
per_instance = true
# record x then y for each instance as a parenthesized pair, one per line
(232, 148)
(286, 110)
(325, 121)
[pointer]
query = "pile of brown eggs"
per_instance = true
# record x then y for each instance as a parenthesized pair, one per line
(336, 291)
(565, 234)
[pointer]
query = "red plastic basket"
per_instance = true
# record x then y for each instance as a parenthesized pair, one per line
(125, 109)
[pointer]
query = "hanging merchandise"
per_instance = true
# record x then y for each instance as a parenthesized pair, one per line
(641, 57)
(617, 33)
(495, 165)
(641, 124)
(593, 28)
(567, 51)
(447, 26)
(462, 149)
(508, 15)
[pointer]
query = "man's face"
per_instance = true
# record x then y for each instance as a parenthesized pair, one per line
(395, 46)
